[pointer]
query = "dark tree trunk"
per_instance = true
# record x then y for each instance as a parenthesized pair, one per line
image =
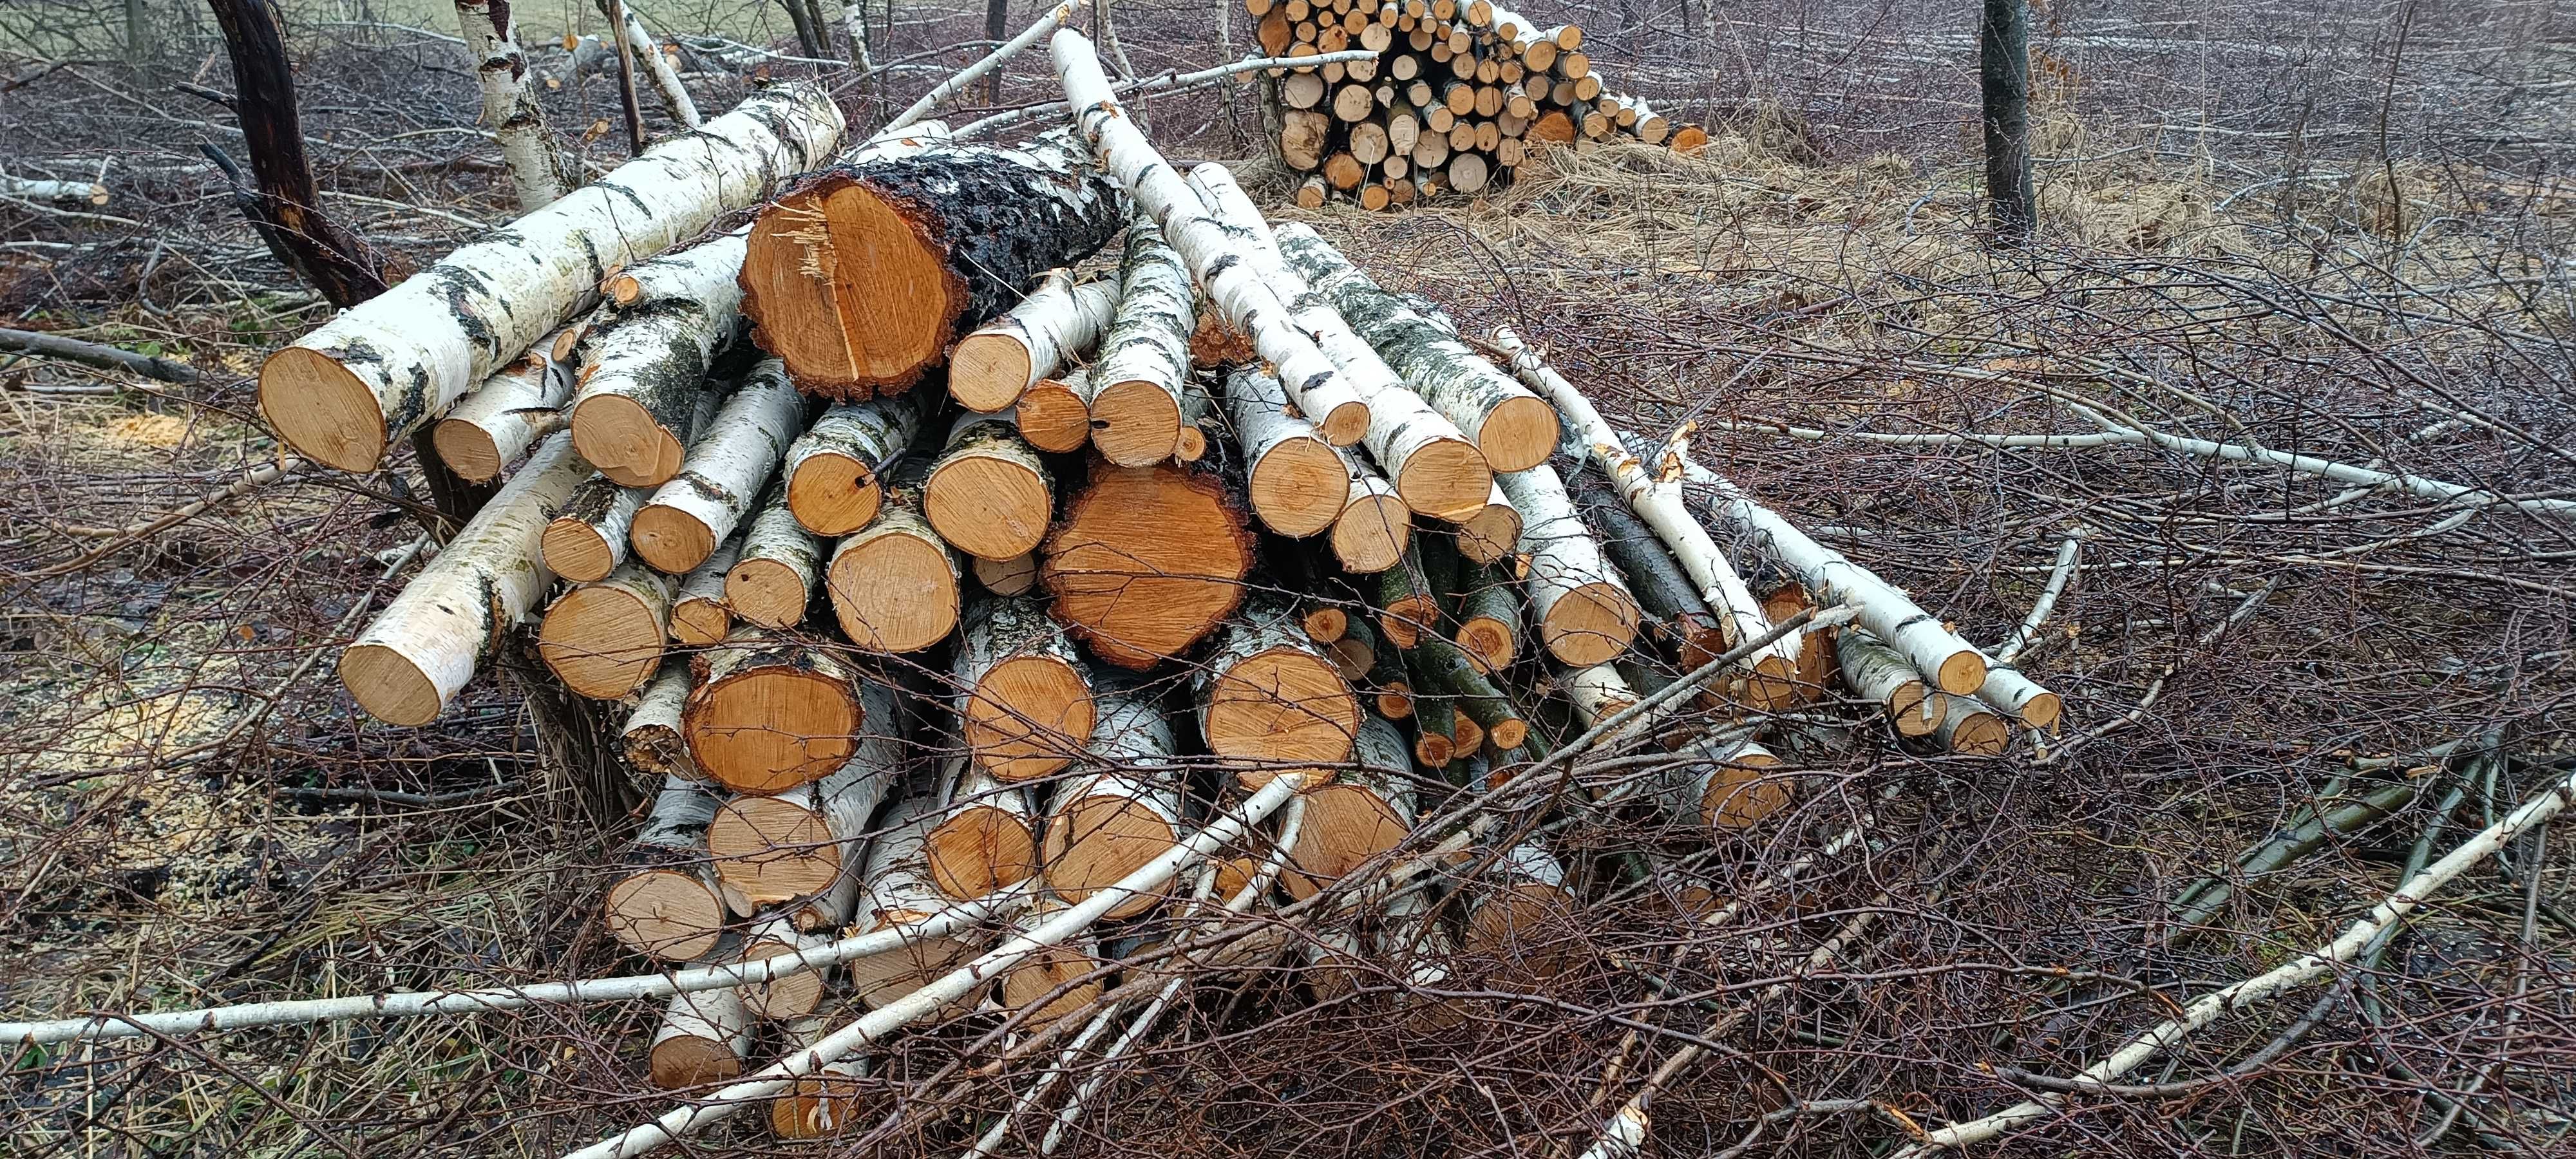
(997, 24)
(615, 10)
(804, 22)
(286, 209)
(822, 29)
(2003, 69)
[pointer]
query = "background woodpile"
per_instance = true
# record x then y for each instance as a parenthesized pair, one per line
(1456, 99)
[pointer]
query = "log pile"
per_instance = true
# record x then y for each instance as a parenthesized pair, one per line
(931, 568)
(1454, 102)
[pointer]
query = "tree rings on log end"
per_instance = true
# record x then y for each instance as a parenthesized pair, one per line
(1345, 826)
(793, 996)
(1739, 791)
(833, 494)
(1029, 716)
(1962, 673)
(1522, 927)
(879, 979)
(665, 914)
(894, 593)
(1147, 561)
(1282, 705)
(1590, 625)
(767, 592)
(765, 729)
(979, 850)
(2042, 711)
(1053, 418)
(603, 641)
(467, 449)
(1371, 534)
(687, 1060)
(673, 541)
(988, 506)
(1039, 975)
(766, 850)
(848, 289)
(988, 371)
(700, 622)
(1448, 479)
(574, 550)
(388, 685)
(1135, 423)
(1979, 733)
(1299, 487)
(617, 435)
(321, 410)
(817, 1106)
(1519, 433)
(1094, 842)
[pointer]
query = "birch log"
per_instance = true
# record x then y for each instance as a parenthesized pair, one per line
(1518, 914)
(802, 849)
(1724, 783)
(657, 64)
(1655, 495)
(833, 469)
(411, 660)
(900, 891)
(834, 1097)
(1298, 482)
(57, 192)
(1583, 610)
(1493, 533)
(1512, 427)
(986, 838)
(988, 494)
(1003, 358)
(643, 373)
(1882, 675)
(699, 616)
(1121, 809)
(896, 586)
(1147, 561)
(1007, 577)
(520, 404)
(586, 535)
(663, 904)
(795, 996)
(729, 465)
(1269, 697)
(702, 1040)
(1054, 414)
(1024, 701)
(772, 579)
(341, 394)
(1365, 810)
(863, 275)
(605, 639)
(771, 712)
(538, 174)
(683, 275)
(1375, 524)
(1145, 356)
(1215, 254)
(651, 739)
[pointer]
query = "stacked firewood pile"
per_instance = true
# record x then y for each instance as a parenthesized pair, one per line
(934, 574)
(1456, 98)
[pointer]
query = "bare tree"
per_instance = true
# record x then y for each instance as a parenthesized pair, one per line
(2003, 72)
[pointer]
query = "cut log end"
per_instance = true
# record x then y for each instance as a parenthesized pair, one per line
(617, 435)
(1962, 673)
(801, 282)
(834, 494)
(320, 409)
(894, 593)
(1094, 842)
(766, 592)
(791, 997)
(1488, 643)
(772, 729)
(1741, 792)
(1147, 562)
(1980, 733)
(1135, 423)
(980, 850)
(690, 1061)
(1345, 424)
(700, 623)
(665, 914)
(1590, 625)
(1519, 433)
(1038, 976)
(574, 550)
(603, 642)
(1053, 417)
(468, 450)
(817, 1107)
(2042, 711)
(1345, 826)
(1282, 705)
(673, 541)
(1395, 701)
(388, 685)
(1371, 534)
(1491, 534)
(1448, 479)
(1028, 717)
(1298, 487)
(988, 371)
(989, 507)
(1325, 623)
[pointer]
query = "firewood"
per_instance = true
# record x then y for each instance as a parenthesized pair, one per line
(1302, 140)
(986, 838)
(1144, 357)
(1583, 610)
(1489, 619)
(651, 737)
(519, 404)
(864, 274)
(772, 580)
(771, 711)
(1007, 577)
(1375, 525)
(825, 1102)
(642, 371)
(1006, 356)
(343, 393)
(1369, 142)
(1302, 90)
(605, 639)
(896, 586)
(1354, 652)
(1518, 915)
(1971, 728)
(1055, 414)
(988, 494)
(728, 466)
(1296, 481)
(1027, 984)
(1406, 604)
(1366, 809)
(1663, 591)
(794, 996)
(1443, 669)
(1311, 192)
(1147, 561)
(900, 891)
(1493, 532)
(1269, 696)
(702, 1040)
(1024, 695)
(799, 850)
(1198, 403)
(1468, 172)
(1726, 783)
(586, 536)
(832, 470)
(416, 654)
(1879, 673)
(663, 904)
(1353, 102)
(1121, 810)
(699, 616)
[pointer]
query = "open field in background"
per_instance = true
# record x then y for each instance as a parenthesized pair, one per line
(2261, 221)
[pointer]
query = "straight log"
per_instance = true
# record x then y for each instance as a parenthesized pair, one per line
(1121, 809)
(663, 904)
(519, 404)
(771, 582)
(988, 494)
(728, 466)
(700, 618)
(1269, 697)
(1058, 321)
(771, 712)
(896, 586)
(1025, 706)
(833, 469)
(1147, 561)
(605, 639)
(1145, 356)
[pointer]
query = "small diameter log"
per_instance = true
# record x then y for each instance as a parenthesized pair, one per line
(1007, 577)
(1518, 916)
(1443, 669)
(1583, 610)
(729, 465)
(1120, 810)
(825, 1102)
(1057, 322)
(1055, 413)
(1489, 618)
(642, 371)
(702, 1040)
(1726, 783)
(651, 739)
(700, 618)
(1298, 482)
(586, 536)
(771, 712)
(1878, 673)
(986, 838)
(1663, 591)
(1433, 466)
(1388, 684)
(832, 470)
(1970, 728)
(1783, 598)
(1597, 693)
(772, 579)
(896, 586)
(800, 849)
(1365, 810)
(416, 654)
(794, 996)
(1268, 696)
(1028, 983)
(1514, 428)
(1375, 525)
(2007, 689)
(989, 495)
(1145, 357)
(1147, 561)
(663, 904)
(605, 639)
(1324, 623)
(1493, 533)
(1198, 405)
(343, 393)
(864, 274)
(1024, 695)
(1408, 606)
(900, 891)
(1354, 653)
(489, 429)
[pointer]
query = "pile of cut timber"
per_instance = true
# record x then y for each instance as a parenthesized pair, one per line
(929, 566)
(1457, 97)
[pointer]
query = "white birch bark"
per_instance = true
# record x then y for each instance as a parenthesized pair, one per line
(1126, 776)
(1405, 433)
(1880, 673)
(1375, 525)
(520, 403)
(1215, 254)
(1250, 712)
(772, 578)
(852, 440)
(665, 905)
(341, 394)
(974, 803)
(414, 657)
(688, 276)
(1148, 343)
(1056, 322)
(1941, 655)
(57, 192)
(657, 65)
(651, 738)
(537, 171)
(1013, 740)
(847, 800)
(587, 537)
(900, 891)
(699, 616)
(989, 495)
(774, 936)
(1479, 399)
(1656, 497)
(1493, 532)
(715, 1018)
(1565, 560)
(1265, 426)
(653, 359)
(727, 468)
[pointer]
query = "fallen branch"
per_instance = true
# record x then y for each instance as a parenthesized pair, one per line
(94, 354)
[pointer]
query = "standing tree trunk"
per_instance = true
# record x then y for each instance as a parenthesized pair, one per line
(997, 27)
(287, 211)
(626, 48)
(2003, 72)
(538, 173)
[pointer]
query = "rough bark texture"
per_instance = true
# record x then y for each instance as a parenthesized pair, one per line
(1145, 357)
(651, 740)
(699, 617)
(342, 393)
(964, 231)
(663, 904)
(832, 470)
(642, 373)
(1879, 673)
(490, 428)
(900, 890)
(538, 170)
(2003, 88)
(727, 469)
(1056, 322)
(772, 578)
(286, 210)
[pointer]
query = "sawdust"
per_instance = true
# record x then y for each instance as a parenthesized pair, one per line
(158, 432)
